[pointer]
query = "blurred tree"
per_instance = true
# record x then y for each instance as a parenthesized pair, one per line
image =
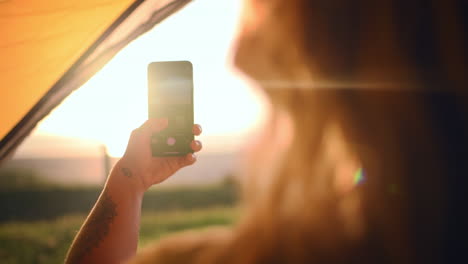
(18, 179)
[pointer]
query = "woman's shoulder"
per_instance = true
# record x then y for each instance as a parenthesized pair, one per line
(185, 247)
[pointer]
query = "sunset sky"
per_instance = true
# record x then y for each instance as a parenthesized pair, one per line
(114, 101)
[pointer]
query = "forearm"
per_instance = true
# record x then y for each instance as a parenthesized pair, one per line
(110, 233)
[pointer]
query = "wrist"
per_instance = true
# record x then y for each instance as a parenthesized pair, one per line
(124, 180)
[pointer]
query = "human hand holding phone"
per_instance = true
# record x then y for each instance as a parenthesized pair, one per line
(139, 162)
(165, 143)
(156, 150)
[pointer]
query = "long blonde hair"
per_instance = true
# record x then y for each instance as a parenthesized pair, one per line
(378, 84)
(385, 73)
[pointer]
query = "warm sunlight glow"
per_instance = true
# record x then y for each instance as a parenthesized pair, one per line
(114, 101)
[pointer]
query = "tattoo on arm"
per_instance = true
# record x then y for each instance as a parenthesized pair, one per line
(95, 229)
(127, 172)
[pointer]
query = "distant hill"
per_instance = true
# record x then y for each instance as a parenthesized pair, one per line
(210, 168)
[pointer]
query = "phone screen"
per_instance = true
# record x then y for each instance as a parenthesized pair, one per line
(170, 95)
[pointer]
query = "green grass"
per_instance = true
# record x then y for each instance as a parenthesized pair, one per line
(157, 225)
(48, 241)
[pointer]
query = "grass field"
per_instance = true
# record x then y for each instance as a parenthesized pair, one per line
(48, 241)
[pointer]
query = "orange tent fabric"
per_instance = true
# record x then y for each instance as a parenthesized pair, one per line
(40, 40)
(49, 48)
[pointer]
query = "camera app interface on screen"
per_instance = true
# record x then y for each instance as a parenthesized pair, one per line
(170, 96)
(173, 99)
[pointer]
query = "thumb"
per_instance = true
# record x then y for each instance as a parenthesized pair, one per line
(157, 124)
(153, 125)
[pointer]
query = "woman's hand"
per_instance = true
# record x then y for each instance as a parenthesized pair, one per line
(110, 233)
(139, 163)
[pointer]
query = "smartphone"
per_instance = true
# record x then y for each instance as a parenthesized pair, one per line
(170, 95)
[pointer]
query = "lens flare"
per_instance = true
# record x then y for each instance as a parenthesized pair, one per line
(359, 177)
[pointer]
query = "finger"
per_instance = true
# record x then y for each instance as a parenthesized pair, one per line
(190, 159)
(186, 160)
(196, 145)
(197, 129)
(157, 124)
(142, 127)
(152, 124)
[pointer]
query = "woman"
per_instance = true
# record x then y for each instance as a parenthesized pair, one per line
(363, 157)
